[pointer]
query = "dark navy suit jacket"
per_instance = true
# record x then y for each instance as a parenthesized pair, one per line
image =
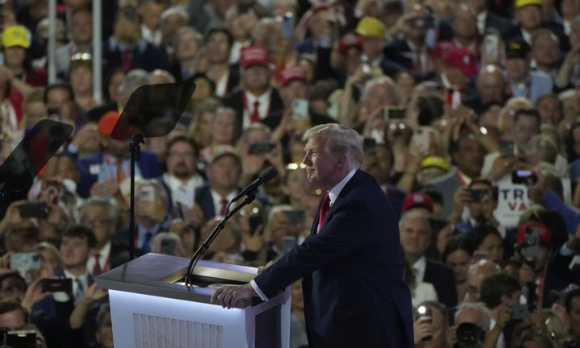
(441, 276)
(148, 166)
(354, 294)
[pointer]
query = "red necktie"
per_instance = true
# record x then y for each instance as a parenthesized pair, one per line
(126, 59)
(324, 207)
(97, 269)
(224, 210)
(120, 171)
(255, 116)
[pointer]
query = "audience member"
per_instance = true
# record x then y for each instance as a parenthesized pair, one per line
(415, 239)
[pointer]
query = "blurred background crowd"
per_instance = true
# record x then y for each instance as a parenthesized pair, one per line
(469, 110)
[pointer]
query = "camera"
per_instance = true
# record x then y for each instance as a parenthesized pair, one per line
(525, 177)
(17, 338)
(261, 148)
(469, 335)
(570, 343)
(295, 217)
(369, 143)
(393, 113)
(168, 247)
(520, 312)
(425, 22)
(506, 148)
(57, 285)
(34, 210)
(255, 222)
(477, 195)
(531, 243)
(25, 261)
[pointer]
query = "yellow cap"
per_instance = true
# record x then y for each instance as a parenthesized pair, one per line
(370, 27)
(15, 35)
(523, 3)
(435, 161)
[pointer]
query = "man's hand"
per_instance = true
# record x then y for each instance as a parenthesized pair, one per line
(503, 165)
(503, 316)
(539, 189)
(228, 296)
(88, 134)
(34, 294)
(95, 292)
(421, 329)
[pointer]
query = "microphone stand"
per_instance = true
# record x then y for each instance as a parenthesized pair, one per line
(135, 156)
(199, 252)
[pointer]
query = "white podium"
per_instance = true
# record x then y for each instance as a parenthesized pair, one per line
(151, 307)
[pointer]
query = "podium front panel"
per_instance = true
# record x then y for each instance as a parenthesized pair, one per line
(161, 314)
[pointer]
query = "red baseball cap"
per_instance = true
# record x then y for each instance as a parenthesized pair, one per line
(417, 199)
(349, 40)
(292, 73)
(254, 55)
(544, 232)
(107, 123)
(463, 59)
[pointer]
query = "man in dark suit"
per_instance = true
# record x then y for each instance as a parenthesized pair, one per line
(52, 313)
(467, 155)
(354, 295)
(410, 50)
(256, 99)
(223, 173)
(487, 20)
(127, 49)
(415, 240)
(101, 216)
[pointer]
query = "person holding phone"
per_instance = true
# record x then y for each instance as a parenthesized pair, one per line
(258, 150)
(431, 331)
(352, 272)
(511, 156)
(500, 293)
(297, 116)
(71, 282)
(480, 198)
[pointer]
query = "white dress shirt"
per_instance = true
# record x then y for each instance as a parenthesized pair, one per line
(180, 189)
(263, 108)
(217, 200)
(103, 259)
(419, 267)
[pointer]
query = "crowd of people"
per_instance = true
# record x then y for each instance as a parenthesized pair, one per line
(469, 111)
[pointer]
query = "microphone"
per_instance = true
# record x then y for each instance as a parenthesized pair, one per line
(264, 177)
